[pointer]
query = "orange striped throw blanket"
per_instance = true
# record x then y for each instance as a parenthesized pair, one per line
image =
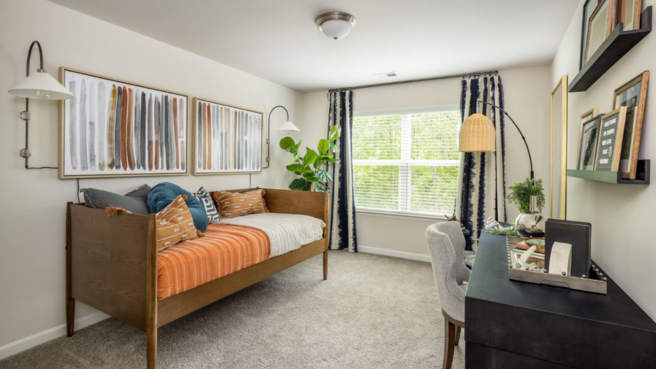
(223, 250)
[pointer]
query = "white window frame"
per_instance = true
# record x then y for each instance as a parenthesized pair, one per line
(406, 150)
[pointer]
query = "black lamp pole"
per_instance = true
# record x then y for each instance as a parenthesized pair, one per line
(268, 140)
(520, 133)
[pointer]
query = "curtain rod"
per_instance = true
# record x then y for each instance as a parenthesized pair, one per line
(463, 75)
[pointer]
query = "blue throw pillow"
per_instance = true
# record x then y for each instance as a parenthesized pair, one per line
(164, 193)
(206, 199)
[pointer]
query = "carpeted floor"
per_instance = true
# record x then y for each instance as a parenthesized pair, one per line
(373, 312)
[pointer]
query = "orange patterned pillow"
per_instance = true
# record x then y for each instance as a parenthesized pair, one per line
(174, 224)
(234, 204)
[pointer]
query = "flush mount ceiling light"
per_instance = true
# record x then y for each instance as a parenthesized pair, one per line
(335, 25)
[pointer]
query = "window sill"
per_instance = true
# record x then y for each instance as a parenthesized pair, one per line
(386, 214)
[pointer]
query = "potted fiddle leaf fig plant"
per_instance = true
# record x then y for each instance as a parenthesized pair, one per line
(311, 166)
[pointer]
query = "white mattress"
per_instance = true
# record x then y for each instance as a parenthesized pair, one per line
(287, 232)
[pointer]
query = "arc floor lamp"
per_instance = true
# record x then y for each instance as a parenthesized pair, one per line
(40, 85)
(288, 126)
(477, 134)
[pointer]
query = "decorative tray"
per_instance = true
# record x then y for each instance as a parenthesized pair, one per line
(532, 271)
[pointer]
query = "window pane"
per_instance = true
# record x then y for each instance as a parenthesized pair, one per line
(377, 137)
(376, 186)
(433, 189)
(435, 136)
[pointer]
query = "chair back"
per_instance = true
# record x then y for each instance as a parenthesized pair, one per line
(446, 245)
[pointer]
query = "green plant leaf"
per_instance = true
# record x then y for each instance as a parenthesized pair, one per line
(333, 160)
(296, 168)
(324, 176)
(295, 148)
(299, 184)
(296, 158)
(310, 177)
(335, 132)
(310, 157)
(320, 187)
(333, 147)
(288, 144)
(320, 161)
(324, 146)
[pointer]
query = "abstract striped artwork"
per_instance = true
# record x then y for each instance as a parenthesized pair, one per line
(115, 128)
(226, 139)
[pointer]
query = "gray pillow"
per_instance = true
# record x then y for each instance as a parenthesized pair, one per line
(134, 201)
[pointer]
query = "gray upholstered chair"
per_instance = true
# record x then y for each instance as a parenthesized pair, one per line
(446, 244)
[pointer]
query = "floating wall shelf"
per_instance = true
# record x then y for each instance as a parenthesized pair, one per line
(613, 49)
(642, 175)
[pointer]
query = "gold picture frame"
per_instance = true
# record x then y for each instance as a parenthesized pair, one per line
(633, 95)
(600, 25)
(558, 180)
(232, 141)
(97, 146)
(629, 13)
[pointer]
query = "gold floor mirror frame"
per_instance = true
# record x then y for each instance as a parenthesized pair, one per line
(560, 92)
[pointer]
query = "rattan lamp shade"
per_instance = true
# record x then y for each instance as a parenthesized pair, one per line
(477, 134)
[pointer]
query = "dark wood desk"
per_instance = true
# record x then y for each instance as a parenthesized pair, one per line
(513, 324)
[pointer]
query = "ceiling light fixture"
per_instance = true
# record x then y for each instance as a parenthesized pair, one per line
(335, 25)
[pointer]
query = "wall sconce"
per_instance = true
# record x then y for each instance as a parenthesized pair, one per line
(288, 126)
(37, 86)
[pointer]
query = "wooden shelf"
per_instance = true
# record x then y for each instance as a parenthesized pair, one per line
(613, 49)
(642, 175)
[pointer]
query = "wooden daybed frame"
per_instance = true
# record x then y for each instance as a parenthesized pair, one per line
(111, 265)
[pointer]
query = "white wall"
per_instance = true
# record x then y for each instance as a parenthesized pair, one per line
(527, 100)
(621, 215)
(32, 266)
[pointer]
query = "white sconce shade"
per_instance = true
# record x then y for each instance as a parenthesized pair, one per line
(288, 127)
(41, 85)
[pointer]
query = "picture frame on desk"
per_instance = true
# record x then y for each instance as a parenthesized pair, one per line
(633, 96)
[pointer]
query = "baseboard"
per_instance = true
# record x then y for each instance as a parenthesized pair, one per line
(394, 253)
(26, 343)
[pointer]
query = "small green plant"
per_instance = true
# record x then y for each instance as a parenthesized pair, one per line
(311, 165)
(521, 192)
(510, 231)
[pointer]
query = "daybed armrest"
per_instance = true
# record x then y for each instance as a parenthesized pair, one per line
(110, 259)
(314, 204)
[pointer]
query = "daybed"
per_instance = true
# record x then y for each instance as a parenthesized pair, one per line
(112, 265)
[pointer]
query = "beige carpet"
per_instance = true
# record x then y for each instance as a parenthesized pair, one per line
(373, 312)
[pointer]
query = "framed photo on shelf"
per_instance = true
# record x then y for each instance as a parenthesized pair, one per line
(609, 143)
(600, 26)
(588, 140)
(588, 9)
(628, 13)
(114, 128)
(633, 96)
(227, 139)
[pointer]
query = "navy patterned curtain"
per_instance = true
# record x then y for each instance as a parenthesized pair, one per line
(342, 217)
(483, 185)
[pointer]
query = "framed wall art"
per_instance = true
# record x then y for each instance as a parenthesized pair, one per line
(227, 139)
(609, 143)
(114, 128)
(588, 141)
(558, 198)
(628, 13)
(632, 95)
(588, 8)
(600, 26)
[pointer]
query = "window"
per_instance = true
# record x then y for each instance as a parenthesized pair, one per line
(407, 163)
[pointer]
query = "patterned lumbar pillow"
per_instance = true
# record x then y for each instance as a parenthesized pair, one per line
(174, 224)
(234, 204)
(206, 199)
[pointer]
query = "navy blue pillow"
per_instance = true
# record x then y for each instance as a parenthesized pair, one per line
(164, 193)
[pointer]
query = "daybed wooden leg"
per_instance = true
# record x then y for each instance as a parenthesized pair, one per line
(152, 347)
(325, 265)
(70, 301)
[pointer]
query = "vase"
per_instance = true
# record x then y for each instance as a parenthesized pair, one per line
(530, 224)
